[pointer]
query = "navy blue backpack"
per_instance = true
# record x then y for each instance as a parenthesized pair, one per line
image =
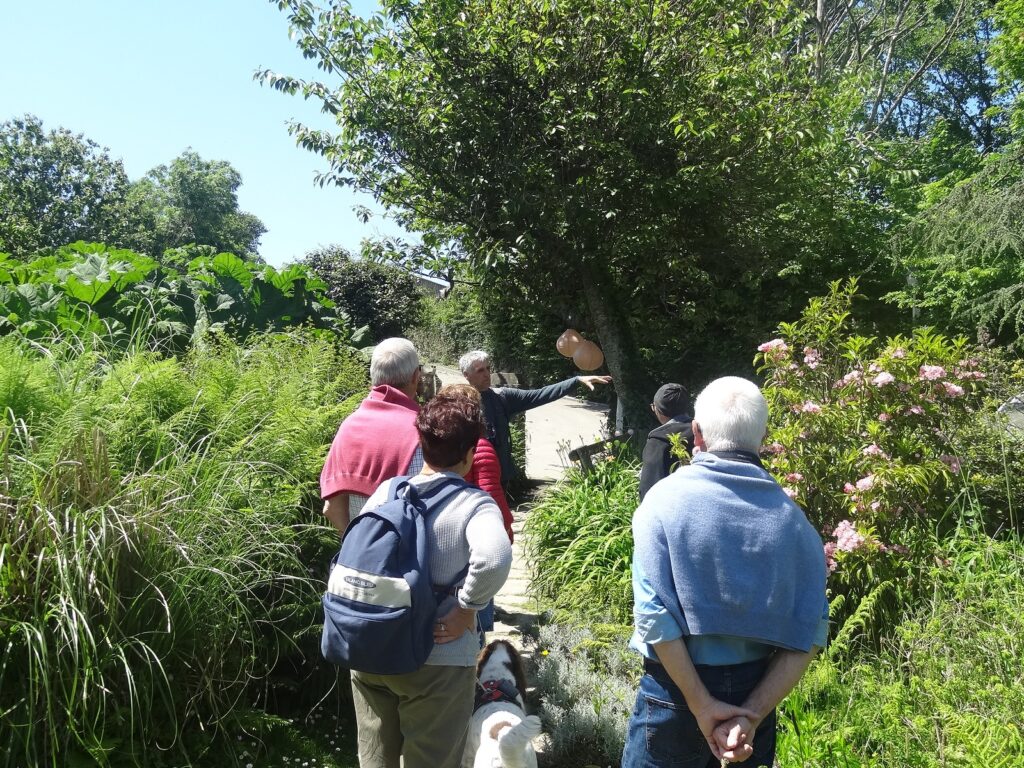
(380, 605)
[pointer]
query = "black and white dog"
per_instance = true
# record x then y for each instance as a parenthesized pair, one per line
(500, 731)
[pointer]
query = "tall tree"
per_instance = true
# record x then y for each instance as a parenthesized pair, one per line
(664, 171)
(57, 187)
(193, 200)
(382, 297)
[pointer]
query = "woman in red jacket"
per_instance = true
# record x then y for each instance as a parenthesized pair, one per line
(485, 473)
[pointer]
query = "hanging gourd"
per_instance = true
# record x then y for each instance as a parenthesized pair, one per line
(588, 356)
(568, 342)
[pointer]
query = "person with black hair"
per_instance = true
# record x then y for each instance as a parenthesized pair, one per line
(674, 412)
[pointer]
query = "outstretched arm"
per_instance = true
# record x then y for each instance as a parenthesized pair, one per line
(590, 381)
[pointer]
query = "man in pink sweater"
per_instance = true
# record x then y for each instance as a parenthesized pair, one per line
(379, 441)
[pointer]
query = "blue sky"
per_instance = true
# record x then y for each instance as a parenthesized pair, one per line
(149, 78)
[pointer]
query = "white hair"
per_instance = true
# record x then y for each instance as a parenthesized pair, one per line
(476, 356)
(732, 415)
(394, 362)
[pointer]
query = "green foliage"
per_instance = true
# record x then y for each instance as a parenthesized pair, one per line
(885, 444)
(451, 326)
(586, 677)
(382, 297)
(87, 289)
(611, 161)
(158, 531)
(193, 201)
(56, 188)
(964, 254)
(581, 540)
(945, 689)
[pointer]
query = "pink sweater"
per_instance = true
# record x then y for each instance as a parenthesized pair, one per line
(374, 444)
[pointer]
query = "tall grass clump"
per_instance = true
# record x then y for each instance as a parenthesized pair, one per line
(157, 528)
(580, 540)
(944, 690)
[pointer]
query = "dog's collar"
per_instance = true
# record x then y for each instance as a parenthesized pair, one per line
(489, 691)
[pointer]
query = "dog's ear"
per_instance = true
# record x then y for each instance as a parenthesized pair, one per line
(483, 656)
(517, 669)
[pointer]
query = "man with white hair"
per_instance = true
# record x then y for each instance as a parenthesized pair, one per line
(729, 595)
(379, 440)
(501, 404)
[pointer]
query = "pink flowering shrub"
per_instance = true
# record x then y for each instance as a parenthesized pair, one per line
(874, 439)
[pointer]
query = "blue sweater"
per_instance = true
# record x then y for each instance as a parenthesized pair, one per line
(728, 553)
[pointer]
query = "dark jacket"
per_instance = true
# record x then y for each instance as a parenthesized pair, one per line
(500, 405)
(658, 458)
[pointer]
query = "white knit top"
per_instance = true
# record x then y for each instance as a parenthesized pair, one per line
(467, 530)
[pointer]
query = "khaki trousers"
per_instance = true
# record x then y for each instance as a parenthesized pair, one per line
(420, 717)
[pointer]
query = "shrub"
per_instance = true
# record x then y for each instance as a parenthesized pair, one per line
(945, 688)
(587, 679)
(878, 440)
(157, 528)
(581, 540)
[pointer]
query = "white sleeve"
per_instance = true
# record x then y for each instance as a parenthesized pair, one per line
(490, 556)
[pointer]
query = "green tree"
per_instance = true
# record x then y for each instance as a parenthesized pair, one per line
(193, 200)
(382, 297)
(662, 171)
(57, 187)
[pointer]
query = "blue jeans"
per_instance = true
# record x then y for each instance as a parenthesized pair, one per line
(663, 733)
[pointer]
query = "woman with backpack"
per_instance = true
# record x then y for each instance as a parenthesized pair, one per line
(422, 716)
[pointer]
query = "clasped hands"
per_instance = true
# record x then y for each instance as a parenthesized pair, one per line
(728, 729)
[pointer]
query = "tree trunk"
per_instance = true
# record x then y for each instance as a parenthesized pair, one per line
(632, 384)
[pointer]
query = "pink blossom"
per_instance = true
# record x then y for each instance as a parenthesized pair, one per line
(812, 358)
(931, 372)
(952, 462)
(794, 477)
(810, 406)
(866, 483)
(952, 390)
(883, 378)
(830, 556)
(970, 362)
(848, 539)
(775, 449)
(875, 506)
(899, 353)
(874, 450)
(851, 378)
(776, 347)
(791, 492)
(874, 368)
(917, 410)
(884, 417)
(849, 488)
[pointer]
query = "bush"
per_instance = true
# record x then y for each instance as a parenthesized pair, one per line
(158, 525)
(882, 441)
(581, 542)
(382, 297)
(451, 326)
(945, 689)
(587, 679)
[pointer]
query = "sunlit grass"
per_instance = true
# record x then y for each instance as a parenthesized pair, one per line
(157, 532)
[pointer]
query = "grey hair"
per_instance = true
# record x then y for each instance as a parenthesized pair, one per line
(394, 362)
(732, 415)
(476, 356)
